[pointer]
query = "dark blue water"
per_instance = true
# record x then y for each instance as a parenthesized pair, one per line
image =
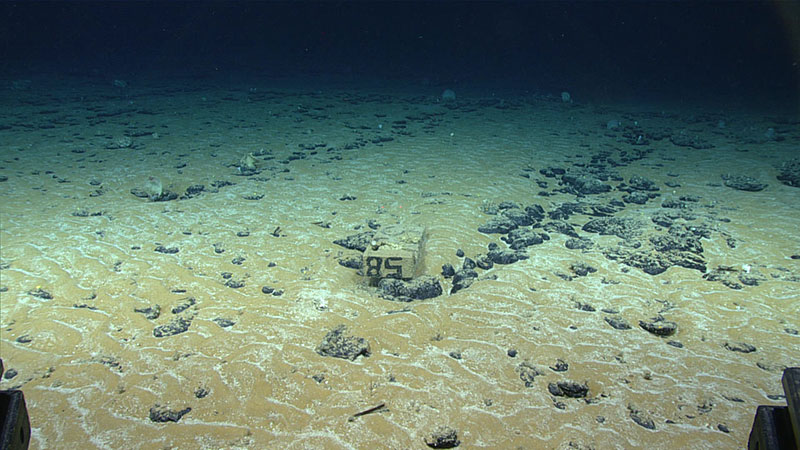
(709, 52)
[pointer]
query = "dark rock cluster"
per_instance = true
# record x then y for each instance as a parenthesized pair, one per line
(735, 278)
(420, 288)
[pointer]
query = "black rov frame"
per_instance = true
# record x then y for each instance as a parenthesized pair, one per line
(774, 427)
(778, 427)
(15, 427)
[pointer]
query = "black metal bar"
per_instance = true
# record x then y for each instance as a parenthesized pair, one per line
(791, 386)
(15, 427)
(776, 427)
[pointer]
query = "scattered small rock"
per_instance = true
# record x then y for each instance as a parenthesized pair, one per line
(568, 389)
(176, 326)
(740, 347)
(162, 196)
(683, 139)
(194, 190)
(584, 184)
(659, 326)
(518, 216)
(528, 373)
(448, 271)
(358, 241)
(234, 284)
(464, 277)
(185, 304)
(151, 312)
(578, 243)
(41, 293)
(498, 256)
(86, 213)
(523, 238)
(624, 228)
(224, 323)
(640, 183)
(498, 225)
(162, 414)
(166, 250)
(337, 345)
(790, 173)
(742, 183)
(351, 262)
(443, 437)
(617, 323)
(582, 269)
(640, 198)
(641, 419)
(201, 392)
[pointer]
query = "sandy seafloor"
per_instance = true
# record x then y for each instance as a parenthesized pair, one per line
(91, 368)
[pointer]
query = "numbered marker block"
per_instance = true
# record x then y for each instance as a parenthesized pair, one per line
(390, 264)
(395, 252)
